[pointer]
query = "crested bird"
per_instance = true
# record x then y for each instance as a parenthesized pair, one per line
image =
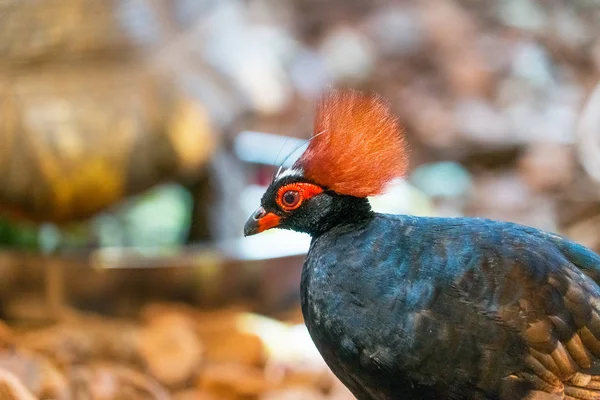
(406, 307)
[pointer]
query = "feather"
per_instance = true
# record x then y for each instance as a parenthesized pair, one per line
(358, 145)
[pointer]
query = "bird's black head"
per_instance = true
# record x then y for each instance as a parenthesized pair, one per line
(355, 151)
(296, 203)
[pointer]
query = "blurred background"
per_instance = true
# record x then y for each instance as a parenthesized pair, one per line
(137, 136)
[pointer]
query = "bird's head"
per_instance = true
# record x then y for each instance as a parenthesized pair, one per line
(356, 149)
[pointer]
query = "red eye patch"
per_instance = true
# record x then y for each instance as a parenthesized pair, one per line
(290, 197)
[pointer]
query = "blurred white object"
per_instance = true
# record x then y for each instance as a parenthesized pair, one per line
(343, 45)
(287, 344)
(268, 149)
(396, 29)
(523, 14)
(401, 197)
(252, 55)
(588, 135)
(309, 73)
(442, 179)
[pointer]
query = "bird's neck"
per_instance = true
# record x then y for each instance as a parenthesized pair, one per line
(345, 211)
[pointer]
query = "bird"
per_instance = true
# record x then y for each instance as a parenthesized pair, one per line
(421, 307)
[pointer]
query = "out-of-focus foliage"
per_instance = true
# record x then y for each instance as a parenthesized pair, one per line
(490, 92)
(88, 115)
(159, 218)
(18, 235)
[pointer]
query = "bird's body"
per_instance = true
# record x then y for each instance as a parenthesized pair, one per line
(404, 307)
(431, 308)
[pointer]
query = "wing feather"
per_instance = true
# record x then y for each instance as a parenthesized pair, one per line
(562, 326)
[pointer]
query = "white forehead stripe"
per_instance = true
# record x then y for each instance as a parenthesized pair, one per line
(297, 172)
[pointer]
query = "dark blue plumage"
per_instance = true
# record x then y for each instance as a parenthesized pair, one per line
(404, 307)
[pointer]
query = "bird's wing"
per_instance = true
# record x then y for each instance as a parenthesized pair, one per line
(549, 294)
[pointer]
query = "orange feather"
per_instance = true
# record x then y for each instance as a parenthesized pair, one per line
(357, 147)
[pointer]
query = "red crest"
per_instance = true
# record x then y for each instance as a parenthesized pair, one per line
(358, 145)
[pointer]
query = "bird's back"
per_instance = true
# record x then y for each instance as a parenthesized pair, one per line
(406, 307)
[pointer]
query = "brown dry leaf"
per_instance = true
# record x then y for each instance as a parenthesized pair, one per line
(36, 373)
(85, 338)
(299, 377)
(114, 382)
(170, 348)
(156, 310)
(233, 380)
(7, 336)
(225, 343)
(191, 134)
(294, 394)
(194, 395)
(234, 347)
(11, 388)
(339, 391)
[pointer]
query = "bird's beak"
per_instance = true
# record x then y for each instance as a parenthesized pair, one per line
(260, 221)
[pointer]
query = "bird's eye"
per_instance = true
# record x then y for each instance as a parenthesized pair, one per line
(293, 195)
(290, 199)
